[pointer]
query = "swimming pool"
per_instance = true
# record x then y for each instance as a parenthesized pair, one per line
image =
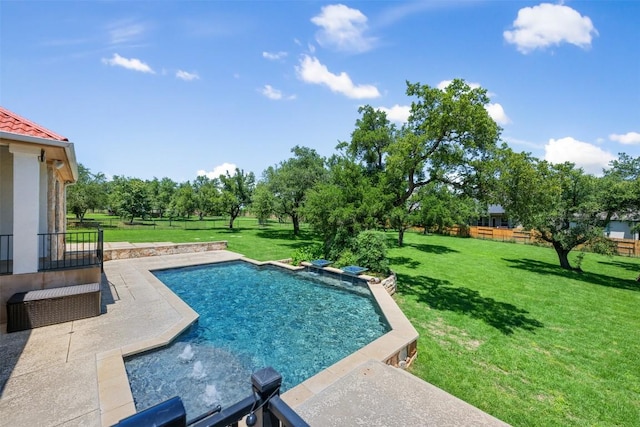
(252, 317)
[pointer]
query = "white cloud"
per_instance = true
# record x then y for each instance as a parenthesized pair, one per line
(587, 156)
(130, 64)
(443, 84)
(274, 56)
(397, 113)
(343, 28)
(219, 170)
(549, 24)
(273, 93)
(270, 92)
(311, 70)
(629, 138)
(186, 76)
(497, 113)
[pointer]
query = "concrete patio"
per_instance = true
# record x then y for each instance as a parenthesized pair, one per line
(71, 374)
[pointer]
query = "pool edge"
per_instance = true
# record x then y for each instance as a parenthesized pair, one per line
(397, 347)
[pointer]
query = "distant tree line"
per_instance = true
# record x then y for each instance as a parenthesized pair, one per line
(441, 168)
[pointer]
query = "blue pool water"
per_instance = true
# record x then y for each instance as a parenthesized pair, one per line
(252, 317)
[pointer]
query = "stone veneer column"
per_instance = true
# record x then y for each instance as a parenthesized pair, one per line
(26, 209)
(61, 215)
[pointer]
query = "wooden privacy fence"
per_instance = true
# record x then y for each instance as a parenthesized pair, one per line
(625, 247)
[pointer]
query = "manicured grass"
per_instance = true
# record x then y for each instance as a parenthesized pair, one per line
(501, 325)
(505, 329)
(261, 242)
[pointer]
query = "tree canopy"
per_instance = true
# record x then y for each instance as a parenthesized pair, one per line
(449, 138)
(236, 194)
(130, 197)
(89, 192)
(290, 181)
(559, 201)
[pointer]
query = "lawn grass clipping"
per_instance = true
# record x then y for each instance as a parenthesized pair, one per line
(505, 329)
(501, 325)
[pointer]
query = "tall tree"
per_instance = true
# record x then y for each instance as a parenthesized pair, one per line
(559, 201)
(263, 203)
(621, 188)
(184, 201)
(161, 193)
(130, 197)
(371, 138)
(236, 194)
(441, 208)
(343, 206)
(206, 195)
(292, 179)
(89, 192)
(449, 138)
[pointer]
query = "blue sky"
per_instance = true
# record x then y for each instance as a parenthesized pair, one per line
(153, 89)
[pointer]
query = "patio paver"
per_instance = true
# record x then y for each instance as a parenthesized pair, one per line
(71, 374)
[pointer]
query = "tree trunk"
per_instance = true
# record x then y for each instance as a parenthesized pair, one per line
(400, 237)
(231, 218)
(296, 224)
(563, 256)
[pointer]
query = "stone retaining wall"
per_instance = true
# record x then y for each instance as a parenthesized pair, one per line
(390, 283)
(162, 249)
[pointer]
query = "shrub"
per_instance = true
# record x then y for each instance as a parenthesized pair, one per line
(307, 253)
(346, 258)
(370, 251)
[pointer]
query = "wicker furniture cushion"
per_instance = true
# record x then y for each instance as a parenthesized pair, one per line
(26, 310)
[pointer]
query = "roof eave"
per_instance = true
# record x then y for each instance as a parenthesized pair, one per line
(66, 145)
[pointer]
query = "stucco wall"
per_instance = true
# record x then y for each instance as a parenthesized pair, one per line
(6, 191)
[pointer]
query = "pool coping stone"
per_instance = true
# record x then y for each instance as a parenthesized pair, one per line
(116, 399)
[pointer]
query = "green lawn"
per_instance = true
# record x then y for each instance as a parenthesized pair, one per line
(505, 329)
(270, 242)
(501, 325)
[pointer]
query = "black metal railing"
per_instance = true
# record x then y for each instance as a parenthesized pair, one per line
(6, 253)
(264, 408)
(78, 249)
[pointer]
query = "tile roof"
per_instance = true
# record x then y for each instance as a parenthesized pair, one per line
(11, 122)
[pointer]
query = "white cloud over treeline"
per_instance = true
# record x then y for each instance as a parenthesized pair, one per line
(591, 158)
(218, 170)
(310, 70)
(547, 24)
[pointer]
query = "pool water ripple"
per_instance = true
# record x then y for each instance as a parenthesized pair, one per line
(252, 317)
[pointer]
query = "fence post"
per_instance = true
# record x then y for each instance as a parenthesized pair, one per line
(266, 383)
(100, 251)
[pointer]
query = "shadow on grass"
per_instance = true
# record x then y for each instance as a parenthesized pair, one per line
(281, 234)
(546, 268)
(405, 261)
(442, 295)
(623, 264)
(431, 249)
